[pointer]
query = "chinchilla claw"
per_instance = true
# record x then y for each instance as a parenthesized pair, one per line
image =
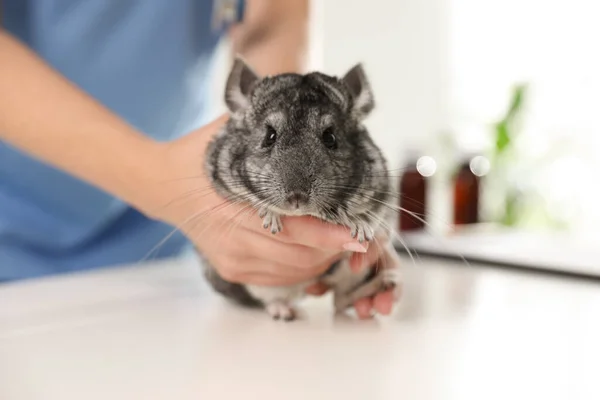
(273, 221)
(362, 231)
(262, 213)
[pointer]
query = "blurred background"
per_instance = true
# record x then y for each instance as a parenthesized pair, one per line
(486, 111)
(507, 90)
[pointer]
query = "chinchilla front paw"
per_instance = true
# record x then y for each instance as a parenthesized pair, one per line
(361, 230)
(271, 220)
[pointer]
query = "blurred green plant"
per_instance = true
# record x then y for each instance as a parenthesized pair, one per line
(511, 181)
(511, 191)
(505, 132)
(505, 129)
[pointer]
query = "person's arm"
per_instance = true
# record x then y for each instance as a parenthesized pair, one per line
(47, 117)
(273, 36)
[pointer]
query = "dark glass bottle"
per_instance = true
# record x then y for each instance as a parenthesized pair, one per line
(413, 195)
(466, 196)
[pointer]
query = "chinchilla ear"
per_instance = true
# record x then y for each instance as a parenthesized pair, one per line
(240, 81)
(357, 82)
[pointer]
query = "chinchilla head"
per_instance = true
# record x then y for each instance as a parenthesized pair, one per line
(296, 142)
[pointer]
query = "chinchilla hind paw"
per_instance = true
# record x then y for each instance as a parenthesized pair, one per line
(280, 310)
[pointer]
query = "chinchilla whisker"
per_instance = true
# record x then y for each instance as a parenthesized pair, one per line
(207, 225)
(185, 178)
(377, 263)
(391, 230)
(168, 236)
(377, 242)
(324, 205)
(358, 191)
(192, 194)
(198, 193)
(247, 208)
(234, 223)
(418, 218)
(191, 219)
(257, 206)
(210, 225)
(238, 198)
(379, 174)
(382, 175)
(393, 207)
(387, 227)
(395, 234)
(266, 177)
(235, 184)
(222, 206)
(241, 182)
(187, 221)
(258, 174)
(232, 220)
(158, 245)
(383, 172)
(397, 209)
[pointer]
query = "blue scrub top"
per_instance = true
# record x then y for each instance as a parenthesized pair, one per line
(146, 60)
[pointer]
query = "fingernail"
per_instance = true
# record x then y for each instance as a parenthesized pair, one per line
(355, 247)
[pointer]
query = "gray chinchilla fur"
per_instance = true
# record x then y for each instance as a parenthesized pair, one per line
(295, 145)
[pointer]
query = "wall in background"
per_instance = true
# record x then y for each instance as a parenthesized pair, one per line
(447, 66)
(403, 47)
(552, 47)
(223, 58)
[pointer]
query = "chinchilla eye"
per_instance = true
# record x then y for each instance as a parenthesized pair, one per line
(329, 139)
(270, 137)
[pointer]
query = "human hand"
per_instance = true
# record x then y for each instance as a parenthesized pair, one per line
(229, 235)
(380, 303)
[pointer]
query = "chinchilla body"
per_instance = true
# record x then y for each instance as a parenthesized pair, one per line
(295, 144)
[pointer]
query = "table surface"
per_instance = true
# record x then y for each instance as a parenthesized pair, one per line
(155, 331)
(564, 252)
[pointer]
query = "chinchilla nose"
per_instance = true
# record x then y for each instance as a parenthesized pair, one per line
(297, 199)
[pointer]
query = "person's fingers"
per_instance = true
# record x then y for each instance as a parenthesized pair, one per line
(302, 230)
(322, 268)
(363, 308)
(311, 272)
(258, 271)
(264, 279)
(318, 289)
(290, 254)
(311, 232)
(360, 261)
(383, 302)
